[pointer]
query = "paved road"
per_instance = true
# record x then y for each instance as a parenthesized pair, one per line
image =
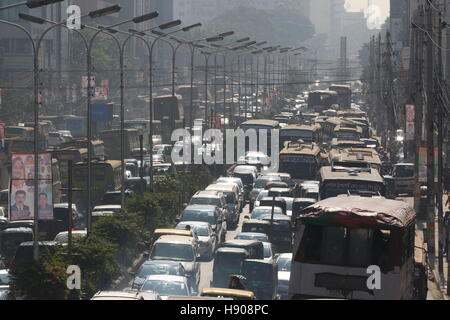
(207, 267)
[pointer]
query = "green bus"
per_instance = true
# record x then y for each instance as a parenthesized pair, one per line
(106, 176)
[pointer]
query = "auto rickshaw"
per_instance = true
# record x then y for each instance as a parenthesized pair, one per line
(298, 205)
(227, 261)
(261, 278)
(281, 232)
(254, 225)
(254, 248)
(228, 293)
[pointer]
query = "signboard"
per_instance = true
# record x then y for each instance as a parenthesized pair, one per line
(405, 58)
(101, 93)
(22, 187)
(84, 82)
(1, 98)
(423, 164)
(410, 115)
(101, 112)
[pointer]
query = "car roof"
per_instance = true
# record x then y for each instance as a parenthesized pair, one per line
(232, 292)
(41, 243)
(208, 194)
(245, 169)
(276, 217)
(175, 239)
(201, 207)
(252, 234)
(193, 223)
(166, 277)
(225, 187)
(286, 255)
(265, 207)
(169, 262)
(109, 206)
(255, 221)
(231, 250)
(117, 294)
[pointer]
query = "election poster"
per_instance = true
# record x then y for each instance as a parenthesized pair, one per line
(22, 187)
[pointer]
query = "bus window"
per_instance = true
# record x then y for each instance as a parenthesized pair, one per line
(360, 247)
(333, 245)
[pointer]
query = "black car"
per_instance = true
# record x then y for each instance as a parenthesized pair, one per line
(24, 253)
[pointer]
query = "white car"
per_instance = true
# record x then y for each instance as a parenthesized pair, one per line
(269, 251)
(4, 284)
(63, 237)
(67, 135)
(167, 285)
(55, 139)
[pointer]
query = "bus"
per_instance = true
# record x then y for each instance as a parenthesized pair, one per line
(76, 125)
(66, 154)
(320, 100)
(19, 132)
(355, 158)
(97, 146)
(337, 180)
(311, 134)
(168, 106)
(344, 95)
(106, 176)
(143, 125)
(260, 125)
(338, 239)
(344, 132)
(112, 138)
(301, 160)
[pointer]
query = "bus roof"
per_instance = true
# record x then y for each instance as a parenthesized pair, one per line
(300, 148)
(361, 212)
(339, 173)
(300, 127)
(261, 122)
(355, 155)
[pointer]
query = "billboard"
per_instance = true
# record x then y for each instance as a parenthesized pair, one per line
(22, 187)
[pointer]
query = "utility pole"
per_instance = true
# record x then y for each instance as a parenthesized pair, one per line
(430, 136)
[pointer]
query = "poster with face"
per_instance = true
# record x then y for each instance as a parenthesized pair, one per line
(22, 202)
(22, 187)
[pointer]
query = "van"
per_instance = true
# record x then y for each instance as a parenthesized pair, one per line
(231, 193)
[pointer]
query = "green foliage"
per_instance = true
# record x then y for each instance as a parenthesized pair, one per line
(115, 241)
(42, 280)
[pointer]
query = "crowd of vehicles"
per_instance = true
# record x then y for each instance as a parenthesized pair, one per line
(312, 229)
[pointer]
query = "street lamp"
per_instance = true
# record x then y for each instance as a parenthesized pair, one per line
(31, 4)
(36, 47)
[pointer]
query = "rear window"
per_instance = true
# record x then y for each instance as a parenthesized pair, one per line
(206, 201)
(403, 171)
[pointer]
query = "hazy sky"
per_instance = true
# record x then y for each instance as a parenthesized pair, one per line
(358, 5)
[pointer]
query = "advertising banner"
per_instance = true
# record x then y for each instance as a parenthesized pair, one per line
(22, 187)
(410, 115)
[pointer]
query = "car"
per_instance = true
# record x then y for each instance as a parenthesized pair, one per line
(215, 198)
(284, 261)
(269, 251)
(252, 236)
(24, 253)
(117, 295)
(166, 285)
(55, 139)
(207, 240)
(262, 194)
(63, 237)
(285, 177)
(115, 197)
(61, 212)
(289, 204)
(182, 249)
(263, 210)
(260, 184)
(112, 208)
(67, 135)
(233, 199)
(206, 213)
(156, 267)
(238, 181)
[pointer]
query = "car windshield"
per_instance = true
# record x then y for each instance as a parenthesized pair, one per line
(193, 215)
(159, 269)
(262, 237)
(403, 171)
(172, 251)
(4, 278)
(229, 261)
(112, 198)
(267, 251)
(246, 178)
(199, 230)
(284, 264)
(262, 194)
(206, 201)
(258, 212)
(230, 197)
(166, 288)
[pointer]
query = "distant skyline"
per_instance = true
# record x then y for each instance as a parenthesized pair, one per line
(358, 5)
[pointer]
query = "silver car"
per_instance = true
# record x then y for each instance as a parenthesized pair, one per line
(207, 240)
